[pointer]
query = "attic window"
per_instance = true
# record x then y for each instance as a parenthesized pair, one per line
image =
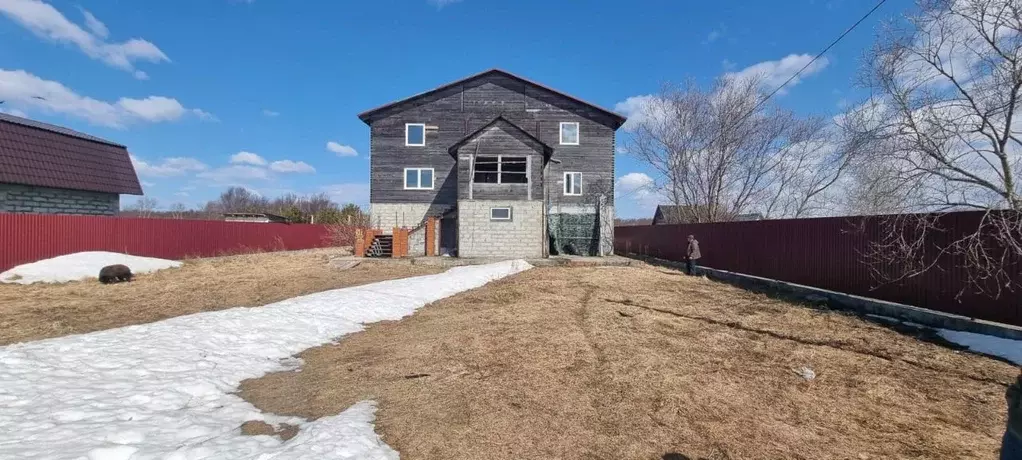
(569, 133)
(415, 134)
(501, 170)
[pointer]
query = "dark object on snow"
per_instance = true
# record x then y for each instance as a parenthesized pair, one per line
(114, 274)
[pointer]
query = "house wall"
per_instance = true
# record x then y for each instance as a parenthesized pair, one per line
(461, 110)
(478, 236)
(45, 200)
(386, 216)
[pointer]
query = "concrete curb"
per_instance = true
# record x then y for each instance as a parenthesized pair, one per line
(858, 304)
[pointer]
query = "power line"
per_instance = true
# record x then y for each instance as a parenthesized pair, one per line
(817, 57)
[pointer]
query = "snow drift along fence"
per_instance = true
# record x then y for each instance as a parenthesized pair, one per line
(30, 237)
(827, 253)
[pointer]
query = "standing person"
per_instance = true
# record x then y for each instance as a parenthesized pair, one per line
(692, 255)
(1011, 446)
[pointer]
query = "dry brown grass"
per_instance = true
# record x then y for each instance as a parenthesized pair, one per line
(36, 311)
(636, 362)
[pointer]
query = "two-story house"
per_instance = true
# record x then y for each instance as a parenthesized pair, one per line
(511, 167)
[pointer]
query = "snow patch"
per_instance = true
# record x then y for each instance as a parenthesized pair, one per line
(74, 267)
(986, 344)
(166, 389)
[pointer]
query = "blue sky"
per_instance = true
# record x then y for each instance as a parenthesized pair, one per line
(264, 93)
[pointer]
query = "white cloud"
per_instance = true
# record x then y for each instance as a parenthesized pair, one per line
(640, 110)
(182, 194)
(348, 193)
(147, 184)
(234, 174)
(712, 36)
(48, 23)
(95, 25)
(636, 195)
(174, 166)
(288, 166)
(140, 75)
(153, 108)
(247, 158)
(15, 112)
(270, 113)
(442, 3)
(32, 92)
(341, 150)
(774, 73)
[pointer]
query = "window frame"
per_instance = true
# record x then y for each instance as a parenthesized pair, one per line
(568, 192)
(432, 178)
(510, 213)
(500, 169)
(578, 133)
(423, 144)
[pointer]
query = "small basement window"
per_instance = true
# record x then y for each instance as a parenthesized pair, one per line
(418, 178)
(569, 133)
(500, 213)
(501, 170)
(573, 183)
(415, 134)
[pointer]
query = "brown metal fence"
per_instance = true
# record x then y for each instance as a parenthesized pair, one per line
(30, 237)
(829, 253)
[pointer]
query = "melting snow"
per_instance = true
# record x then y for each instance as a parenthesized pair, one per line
(165, 390)
(73, 267)
(986, 344)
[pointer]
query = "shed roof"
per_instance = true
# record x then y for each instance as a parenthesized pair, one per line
(368, 115)
(45, 155)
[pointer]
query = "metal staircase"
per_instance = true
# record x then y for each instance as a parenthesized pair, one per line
(382, 246)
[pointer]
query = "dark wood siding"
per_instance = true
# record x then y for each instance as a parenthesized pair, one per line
(461, 110)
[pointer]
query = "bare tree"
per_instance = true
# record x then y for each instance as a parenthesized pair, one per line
(177, 210)
(943, 135)
(721, 152)
(238, 199)
(144, 207)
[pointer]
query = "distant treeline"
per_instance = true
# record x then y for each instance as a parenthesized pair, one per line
(318, 208)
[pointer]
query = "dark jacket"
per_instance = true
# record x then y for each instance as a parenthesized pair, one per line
(693, 250)
(1015, 408)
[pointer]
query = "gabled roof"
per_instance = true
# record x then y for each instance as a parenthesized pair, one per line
(368, 115)
(45, 155)
(453, 149)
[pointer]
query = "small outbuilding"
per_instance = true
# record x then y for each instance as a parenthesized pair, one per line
(50, 169)
(255, 217)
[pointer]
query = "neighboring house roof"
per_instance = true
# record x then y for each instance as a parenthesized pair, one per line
(453, 150)
(45, 155)
(674, 214)
(369, 115)
(256, 215)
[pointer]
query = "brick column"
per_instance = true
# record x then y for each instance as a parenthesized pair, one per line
(431, 236)
(400, 242)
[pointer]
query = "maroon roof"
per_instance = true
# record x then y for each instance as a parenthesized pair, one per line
(369, 114)
(44, 155)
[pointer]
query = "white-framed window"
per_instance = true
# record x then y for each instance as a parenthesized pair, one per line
(569, 133)
(415, 134)
(501, 169)
(418, 178)
(500, 213)
(573, 183)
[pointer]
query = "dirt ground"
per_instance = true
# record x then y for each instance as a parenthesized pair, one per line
(37, 311)
(640, 362)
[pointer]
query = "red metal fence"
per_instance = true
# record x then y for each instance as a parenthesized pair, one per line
(30, 237)
(828, 253)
